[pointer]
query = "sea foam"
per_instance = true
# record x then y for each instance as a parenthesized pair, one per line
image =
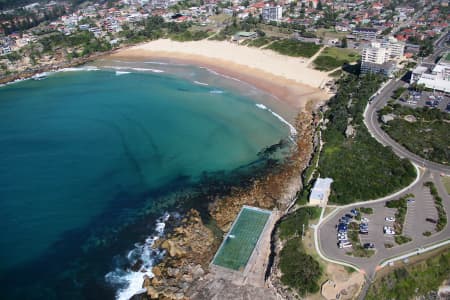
(292, 129)
(129, 282)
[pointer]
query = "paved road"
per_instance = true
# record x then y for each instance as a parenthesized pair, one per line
(371, 121)
(415, 225)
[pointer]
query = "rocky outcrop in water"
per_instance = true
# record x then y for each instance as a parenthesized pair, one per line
(188, 248)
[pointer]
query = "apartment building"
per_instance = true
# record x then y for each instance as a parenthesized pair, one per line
(272, 13)
(380, 56)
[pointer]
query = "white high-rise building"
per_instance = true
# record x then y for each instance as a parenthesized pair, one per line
(377, 58)
(272, 13)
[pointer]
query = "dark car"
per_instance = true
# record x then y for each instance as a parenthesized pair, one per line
(429, 103)
(349, 216)
(369, 246)
(431, 220)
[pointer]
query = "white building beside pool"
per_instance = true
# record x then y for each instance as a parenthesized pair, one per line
(320, 192)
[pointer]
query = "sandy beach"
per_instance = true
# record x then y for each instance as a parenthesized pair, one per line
(287, 78)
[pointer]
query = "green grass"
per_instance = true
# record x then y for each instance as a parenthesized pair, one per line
(333, 57)
(362, 168)
(235, 252)
(412, 281)
(294, 48)
(258, 42)
(427, 137)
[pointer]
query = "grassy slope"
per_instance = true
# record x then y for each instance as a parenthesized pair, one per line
(333, 57)
(294, 48)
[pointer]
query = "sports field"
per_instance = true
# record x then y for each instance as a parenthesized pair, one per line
(238, 245)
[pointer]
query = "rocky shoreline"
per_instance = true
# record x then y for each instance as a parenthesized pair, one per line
(183, 273)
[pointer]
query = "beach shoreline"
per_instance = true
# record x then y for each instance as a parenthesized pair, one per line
(295, 87)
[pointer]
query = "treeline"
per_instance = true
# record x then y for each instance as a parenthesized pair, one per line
(300, 271)
(362, 168)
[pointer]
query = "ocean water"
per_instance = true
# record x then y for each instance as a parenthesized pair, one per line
(90, 159)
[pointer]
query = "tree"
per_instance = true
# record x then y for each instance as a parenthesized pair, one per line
(319, 5)
(344, 42)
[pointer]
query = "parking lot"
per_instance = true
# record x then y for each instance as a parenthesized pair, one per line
(418, 210)
(430, 99)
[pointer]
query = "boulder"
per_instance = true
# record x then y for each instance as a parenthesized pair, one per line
(198, 272)
(152, 293)
(147, 281)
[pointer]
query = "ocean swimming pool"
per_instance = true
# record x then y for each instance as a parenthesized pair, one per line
(240, 242)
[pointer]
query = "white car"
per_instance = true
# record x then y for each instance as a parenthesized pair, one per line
(364, 220)
(345, 245)
(389, 219)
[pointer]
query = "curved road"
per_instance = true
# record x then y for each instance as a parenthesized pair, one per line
(326, 233)
(371, 121)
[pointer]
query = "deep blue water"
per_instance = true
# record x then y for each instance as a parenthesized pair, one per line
(85, 154)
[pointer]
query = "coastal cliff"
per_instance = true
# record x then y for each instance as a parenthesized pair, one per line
(183, 273)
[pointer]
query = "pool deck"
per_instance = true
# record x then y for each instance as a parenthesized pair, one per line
(255, 269)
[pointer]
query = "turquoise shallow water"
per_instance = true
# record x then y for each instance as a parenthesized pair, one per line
(83, 151)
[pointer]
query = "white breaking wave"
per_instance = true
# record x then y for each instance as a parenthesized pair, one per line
(118, 73)
(86, 68)
(221, 75)
(130, 281)
(200, 83)
(216, 92)
(156, 63)
(291, 128)
(147, 70)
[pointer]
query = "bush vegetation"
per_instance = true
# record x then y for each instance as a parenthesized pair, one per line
(412, 281)
(295, 48)
(427, 137)
(442, 215)
(401, 239)
(292, 224)
(366, 210)
(361, 168)
(301, 271)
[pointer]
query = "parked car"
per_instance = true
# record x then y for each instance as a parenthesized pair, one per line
(410, 200)
(349, 216)
(431, 220)
(354, 212)
(389, 219)
(365, 220)
(345, 245)
(369, 245)
(365, 232)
